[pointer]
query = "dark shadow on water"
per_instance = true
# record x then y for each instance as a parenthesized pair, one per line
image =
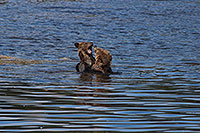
(97, 77)
(86, 76)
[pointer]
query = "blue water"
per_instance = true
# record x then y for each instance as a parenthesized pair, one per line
(155, 45)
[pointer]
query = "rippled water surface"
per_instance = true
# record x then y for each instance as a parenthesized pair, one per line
(155, 45)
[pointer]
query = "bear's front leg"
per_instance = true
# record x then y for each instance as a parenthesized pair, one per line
(80, 67)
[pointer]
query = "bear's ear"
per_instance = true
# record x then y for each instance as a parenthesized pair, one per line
(76, 44)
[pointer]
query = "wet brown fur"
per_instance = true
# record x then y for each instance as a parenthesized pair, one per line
(86, 59)
(103, 60)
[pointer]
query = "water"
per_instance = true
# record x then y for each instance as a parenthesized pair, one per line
(154, 43)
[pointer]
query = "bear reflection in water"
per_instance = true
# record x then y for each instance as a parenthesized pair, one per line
(97, 77)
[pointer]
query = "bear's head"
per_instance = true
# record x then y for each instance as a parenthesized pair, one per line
(85, 47)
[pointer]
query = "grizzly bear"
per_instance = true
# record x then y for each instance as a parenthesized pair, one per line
(86, 58)
(103, 61)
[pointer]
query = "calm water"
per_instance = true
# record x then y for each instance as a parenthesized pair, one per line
(154, 43)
